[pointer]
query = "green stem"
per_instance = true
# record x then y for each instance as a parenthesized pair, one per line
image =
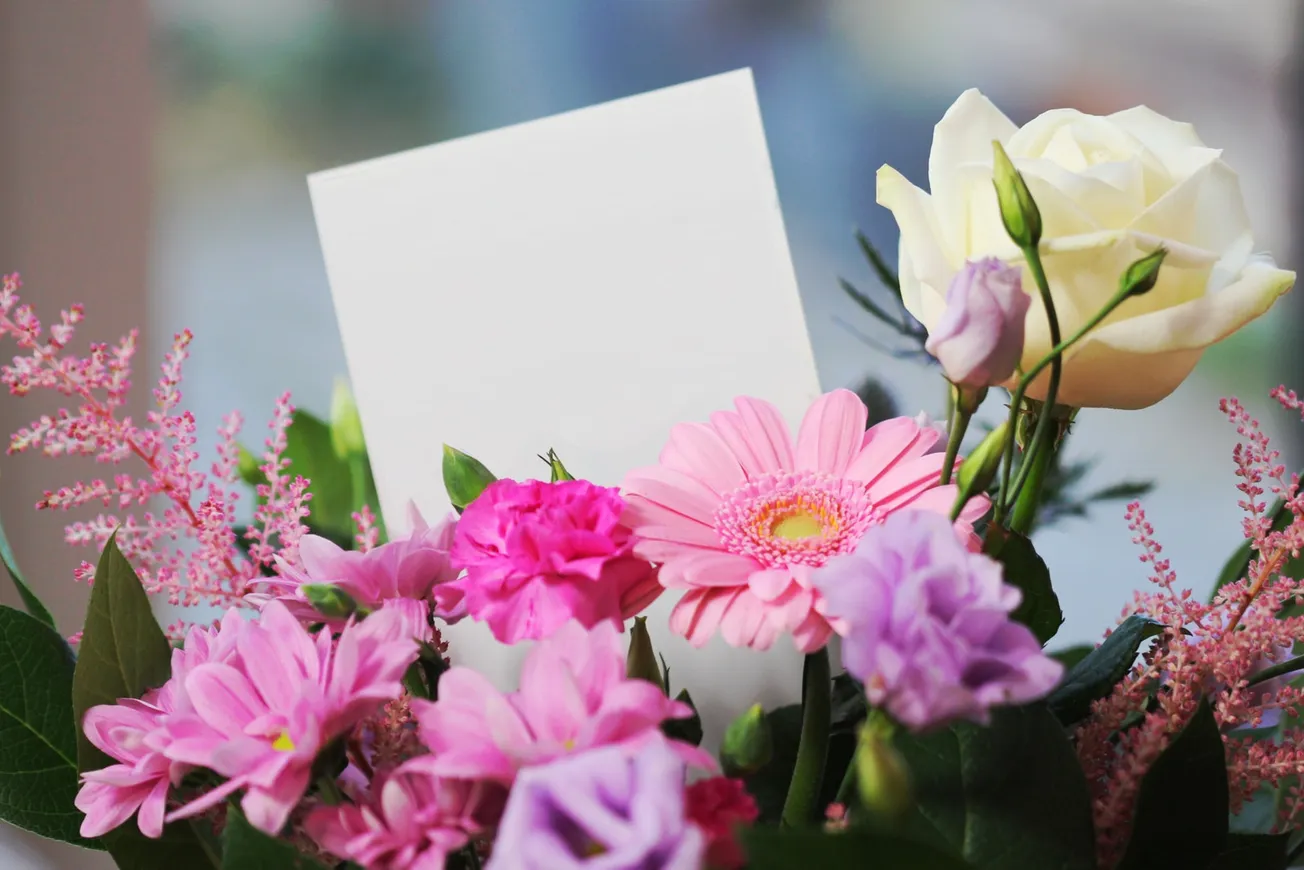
(1277, 670)
(956, 428)
(813, 745)
(1025, 506)
(848, 783)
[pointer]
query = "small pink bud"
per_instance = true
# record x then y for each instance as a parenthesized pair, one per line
(979, 338)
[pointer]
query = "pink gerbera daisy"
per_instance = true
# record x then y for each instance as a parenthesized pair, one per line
(740, 516)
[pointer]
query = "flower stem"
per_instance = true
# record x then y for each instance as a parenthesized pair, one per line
(1025, 505)
(813, 746)
(957, 426)
(1286, 667)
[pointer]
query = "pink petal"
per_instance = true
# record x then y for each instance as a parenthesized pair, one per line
(269, 809)
(320, 558)
(831, 433)
(152, 810)
(901, 483)
(105, 806)
(742, 622)
(674, 490)
(884, 445)
(769, 584)
(813, 633)
(205, 802)
(714, 569)
(697, 450)
(698, 613)
(223, 697)
(757, 435)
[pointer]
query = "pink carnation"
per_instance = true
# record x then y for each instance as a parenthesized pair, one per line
(573, 696)
(740, 516)
(538, 554)
(411, 569)
(261, 718)
(412, 820)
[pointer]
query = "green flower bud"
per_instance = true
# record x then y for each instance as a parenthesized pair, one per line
(559, 471)
(1019, 212)
(464, 477)
(1141, 277)
(641, 663)
(882, 776)
(979, 468)
(346, 424)
(748, 743)
(329, 600)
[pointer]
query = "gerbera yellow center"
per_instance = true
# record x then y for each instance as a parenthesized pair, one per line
(797, 527)
(283, 743)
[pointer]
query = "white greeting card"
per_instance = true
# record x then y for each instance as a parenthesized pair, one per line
(582, 282)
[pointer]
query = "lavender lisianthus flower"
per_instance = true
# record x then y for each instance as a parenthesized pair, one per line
(613, 808)
(926, 625)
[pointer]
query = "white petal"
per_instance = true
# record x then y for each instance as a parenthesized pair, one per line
(931, 262)
(1206, 210)
(963, 136)
(1164, 136)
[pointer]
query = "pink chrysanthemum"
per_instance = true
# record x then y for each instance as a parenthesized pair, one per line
(261, 718)
(411, 821)
(539, 554)
(740, 516)
(574, 695)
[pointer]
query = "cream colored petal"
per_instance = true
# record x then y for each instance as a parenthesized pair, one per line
(1034, 137)
(1166, 137)
(924, 301)
(1100, 377)
(1206, 210)
(921, 233)
(1200, 322)
(964, 136)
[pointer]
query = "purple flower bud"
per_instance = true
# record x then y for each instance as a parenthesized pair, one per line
(979, 338)
(926, 625)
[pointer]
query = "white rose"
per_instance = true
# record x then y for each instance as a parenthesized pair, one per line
(1110, 189)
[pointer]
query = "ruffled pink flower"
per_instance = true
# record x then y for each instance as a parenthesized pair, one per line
(740, 516)
(412, 820)
(573, 696)
(262, 718)
(128, 732)
(411, 569)
(539, 554)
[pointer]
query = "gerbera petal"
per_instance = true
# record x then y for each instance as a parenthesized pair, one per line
(715, 569)
(674, 490)
(831, 433)
(697, 450)
(698, 613)
(758, 436)
(886, 444)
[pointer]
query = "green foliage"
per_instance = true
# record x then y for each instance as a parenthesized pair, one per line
(123, 653)
(244, 847)
(38, 740)
(465, 477)
(1070, 656)
(786, 848)
(1060, 499)
(688, 730)
(1099, 670)
(1040, 607)
(1010, 796)
(29, 598)
(1181, 810)
(902, 323)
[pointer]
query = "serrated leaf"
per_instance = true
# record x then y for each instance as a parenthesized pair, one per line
(38, 739)
(1040, 607)
(244, 847)
(786, 848)
(1095, 675)
(1009, 796)
(30, 600)
(1254, 852)
(1181, 809)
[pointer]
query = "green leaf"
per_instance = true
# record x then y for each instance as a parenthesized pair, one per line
(786, 848)
(1181, 810)
(1123, 490)
(1253, 852)
(311, 451)
(1070, 656)
(244, 847)
(38, 740)
(1010, 796)
(688, 730)
(1095, 675)
(123, 651)
(30, 600)
(1040, 608)
(465, 477)
(769, 785)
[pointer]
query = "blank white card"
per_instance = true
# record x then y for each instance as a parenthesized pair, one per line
(582, 282)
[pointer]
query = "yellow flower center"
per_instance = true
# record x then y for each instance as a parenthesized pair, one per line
(283, 743)
(569, 743)
(593, 849)
(798, 527)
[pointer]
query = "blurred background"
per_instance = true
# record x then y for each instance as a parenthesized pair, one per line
(152, 163)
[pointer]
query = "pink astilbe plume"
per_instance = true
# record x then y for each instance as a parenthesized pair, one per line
(187, 551)
(1208, 651)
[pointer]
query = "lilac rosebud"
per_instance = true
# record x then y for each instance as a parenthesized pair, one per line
(926, 625)
(979, 337)
(613, 807)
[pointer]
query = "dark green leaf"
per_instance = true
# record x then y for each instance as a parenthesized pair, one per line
(688, 730)
(880, 266)
(1095, 675)
(179, 848)
(849, 708)
(1010, 796)
(38, 741)
(1125, 489)
(788, 848)
(30, 600)
(1181, 809)
(1040, 608)
(769, 785)
(244, 847)
(1253, 852)
(1071, 656)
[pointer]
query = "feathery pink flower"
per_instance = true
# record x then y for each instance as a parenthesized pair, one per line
(539, 554)
(262, 718)
(573, 696)
(415, 569)
(412, 820)
(740, 515)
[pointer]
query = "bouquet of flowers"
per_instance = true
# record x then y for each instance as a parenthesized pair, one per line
(310, 714)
